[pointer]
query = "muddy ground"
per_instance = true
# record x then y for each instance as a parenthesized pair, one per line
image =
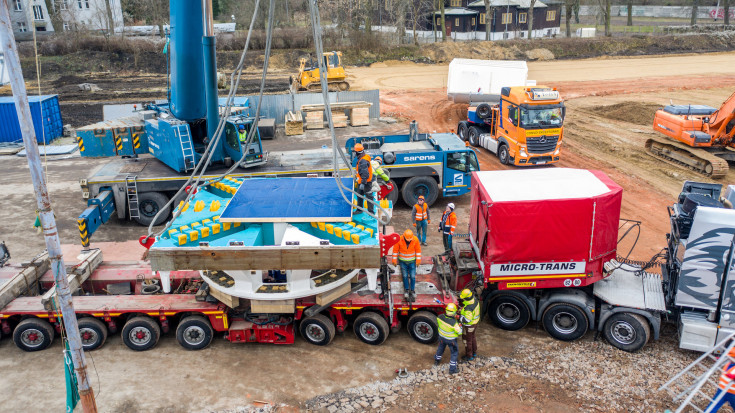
(610, 104)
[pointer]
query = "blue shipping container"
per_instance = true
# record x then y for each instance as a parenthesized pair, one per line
(46, 118)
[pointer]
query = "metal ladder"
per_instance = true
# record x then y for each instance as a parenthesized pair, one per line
(131, 189)
(695, 386)
(187, 146)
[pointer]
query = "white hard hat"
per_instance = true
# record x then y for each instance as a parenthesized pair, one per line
(450, 205)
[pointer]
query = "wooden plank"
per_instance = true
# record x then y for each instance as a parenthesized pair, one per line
(336, 105)
(24, 279)
(273, 306)
(226, 299)
(343, 257)
(77, 275)
(329, 296)
(359, 116)
(294, 123)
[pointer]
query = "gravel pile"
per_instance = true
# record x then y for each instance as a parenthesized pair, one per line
(585, 376)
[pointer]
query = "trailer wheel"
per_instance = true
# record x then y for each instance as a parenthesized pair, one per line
(194, 332)
(141, 333)
(473, 134)
(317, 329)
(503, 154)
(565, 322)
(462, 130)
(420, 185)
(33, 334)
(627, 331)
(393, 195)
(93, 333)
(371, 328)
(423, 327)
(509, 312)
(149, 203)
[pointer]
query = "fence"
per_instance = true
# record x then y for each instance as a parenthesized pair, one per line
(680, 12)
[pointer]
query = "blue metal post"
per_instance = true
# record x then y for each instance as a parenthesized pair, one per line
(187, 69)
(209, 46)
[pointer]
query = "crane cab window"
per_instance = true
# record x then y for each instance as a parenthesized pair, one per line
(231, 136)
(463, 161)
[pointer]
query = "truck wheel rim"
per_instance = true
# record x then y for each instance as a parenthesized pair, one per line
(508, 313)
(564, 322)
(423, 330)
(89, 336)
(32, 338)
(315, 332)
(140, 336)
(369, 332)
(148, 208)
(623, 332)
(421, 189)
(503, 155)
(194, 335)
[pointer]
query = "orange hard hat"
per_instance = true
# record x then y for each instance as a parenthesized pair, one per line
(421, 197)
(359, 147)
(408, 234)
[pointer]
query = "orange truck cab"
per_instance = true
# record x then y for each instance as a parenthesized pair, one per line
(524, 128)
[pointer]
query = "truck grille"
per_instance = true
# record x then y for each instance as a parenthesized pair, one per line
(541, 144)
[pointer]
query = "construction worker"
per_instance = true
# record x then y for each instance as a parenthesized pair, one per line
(377, 165)
(364, 178)
(469, 316)
(449, 330)
(408, 252)
(421, 218)
(448, 225)
(726, 386)
(242, 134)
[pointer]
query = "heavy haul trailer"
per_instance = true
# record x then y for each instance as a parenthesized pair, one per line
(421, 164)
(114, 300)
(138, 188)
(524, 128)
(542, 246)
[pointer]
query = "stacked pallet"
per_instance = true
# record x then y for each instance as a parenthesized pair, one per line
(315, 119)
(359, 116)
(294, 123)
(339, 119)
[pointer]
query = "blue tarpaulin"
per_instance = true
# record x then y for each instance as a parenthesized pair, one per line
(289, 200)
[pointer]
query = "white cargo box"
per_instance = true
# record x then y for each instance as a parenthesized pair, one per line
(471, 77)
(586, 32)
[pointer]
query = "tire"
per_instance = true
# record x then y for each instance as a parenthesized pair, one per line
(509, 312)
(371, 328)
(318, 330)
(149, 203)
(627, 331)
(462, 130)
(503, 154)
(33, 334)
(420, 185)
(395, 193)
(93, 333)
(141, 333)
(473, 135)
(483, 111)
(194, 332)
(565, 322)
(423, 327)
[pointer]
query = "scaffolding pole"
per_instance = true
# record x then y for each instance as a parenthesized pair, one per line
(46, 214)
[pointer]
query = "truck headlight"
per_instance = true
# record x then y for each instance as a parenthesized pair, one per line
(556, 152)
(523, 152)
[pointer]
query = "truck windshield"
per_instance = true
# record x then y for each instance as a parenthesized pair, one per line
(463, 161)
(540, 118)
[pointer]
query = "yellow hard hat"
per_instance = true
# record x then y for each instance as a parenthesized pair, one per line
(451, 309)
(466, 293)
(408, 234)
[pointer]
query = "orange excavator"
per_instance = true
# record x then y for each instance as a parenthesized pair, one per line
(701, 137)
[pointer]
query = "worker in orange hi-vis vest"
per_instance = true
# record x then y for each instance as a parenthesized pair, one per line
(421, 218)
(447, 226)
(408, 252)
(726, 391)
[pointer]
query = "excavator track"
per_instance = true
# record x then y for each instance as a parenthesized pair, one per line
(680, 154)
(333, 86)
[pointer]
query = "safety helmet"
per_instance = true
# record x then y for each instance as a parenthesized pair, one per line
(451, 309)
(421, 197)
(359, 147)
(378, 159)
(450, 205)
(241, 127)
(408, 234)
(465, 294)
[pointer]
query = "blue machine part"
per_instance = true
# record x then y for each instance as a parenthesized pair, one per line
(46, 116)
(171, 142)
(99, 211)
(292, 199)
(200, 220)
(120, 137)
(188, 99)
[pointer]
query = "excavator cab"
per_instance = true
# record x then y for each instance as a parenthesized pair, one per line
(308, 77)
(236, 139)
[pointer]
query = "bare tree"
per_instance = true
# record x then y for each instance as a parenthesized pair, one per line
(605, 9)
(488, 20)
(443, 21)
(53, 7)
(575, 8)
(568, 10)
(726, 9)
(695, 10)
(630, 13)
(530, 18)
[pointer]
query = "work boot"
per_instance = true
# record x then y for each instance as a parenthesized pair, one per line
(436, 362)
(453, 371)
(413, 295)
(466, 359)
(424, 243)
(405, 296)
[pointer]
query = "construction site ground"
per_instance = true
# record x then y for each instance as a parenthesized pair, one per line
(610, 110)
